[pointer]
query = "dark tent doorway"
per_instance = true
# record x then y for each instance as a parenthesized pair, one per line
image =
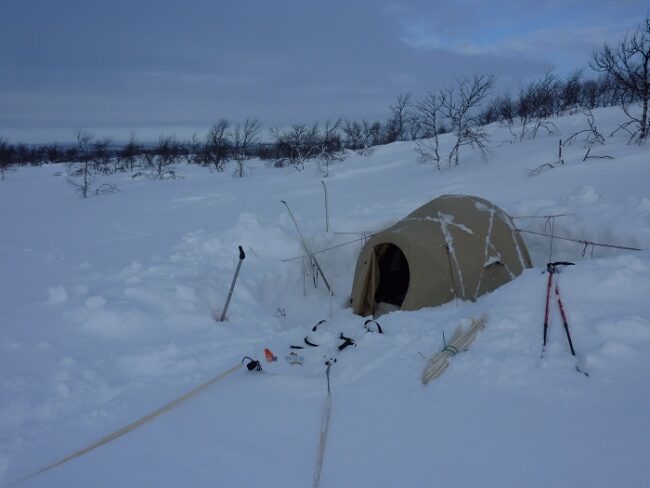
(394, 275)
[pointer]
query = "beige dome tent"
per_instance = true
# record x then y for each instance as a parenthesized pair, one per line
(454, 246)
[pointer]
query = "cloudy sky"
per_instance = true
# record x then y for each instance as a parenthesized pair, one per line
(163, 66)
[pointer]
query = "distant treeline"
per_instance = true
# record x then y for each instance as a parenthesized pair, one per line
(623, 78)
(540, 99)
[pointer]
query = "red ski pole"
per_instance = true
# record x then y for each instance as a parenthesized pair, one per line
(564, 320)
(548, 295)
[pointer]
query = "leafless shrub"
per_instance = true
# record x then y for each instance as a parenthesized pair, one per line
(297, 145)
(330, 147)
(537, 102)
(401, 117)
(217, 146)
(460, 104)
(160, 160)
(593, 138)
(629, 65)
(6, 158)
(429, 113)
(106, 188)
(245, 136)
(129, 156)
(80, 174)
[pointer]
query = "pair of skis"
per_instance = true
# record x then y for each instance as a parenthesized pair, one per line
(459, 342)
(552, 270)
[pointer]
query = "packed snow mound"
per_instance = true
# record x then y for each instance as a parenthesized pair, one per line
(108, 305)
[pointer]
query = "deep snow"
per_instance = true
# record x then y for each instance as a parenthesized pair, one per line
(106, 311)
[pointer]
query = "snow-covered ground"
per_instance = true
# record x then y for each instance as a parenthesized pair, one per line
(106, 313)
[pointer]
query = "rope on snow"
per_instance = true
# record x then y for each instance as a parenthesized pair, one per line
(324, 428)
(132, 426)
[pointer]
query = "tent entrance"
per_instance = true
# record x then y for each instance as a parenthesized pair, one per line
(394, 275)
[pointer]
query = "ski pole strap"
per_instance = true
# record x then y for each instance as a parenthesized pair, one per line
(552, 267)
(450, 349)
(347, 341)
(315, 327)
(367, 322)
(311, 344)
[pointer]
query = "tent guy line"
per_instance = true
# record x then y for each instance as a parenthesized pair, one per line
(581, 241)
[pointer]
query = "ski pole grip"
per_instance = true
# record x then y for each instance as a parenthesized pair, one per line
(552, 267)
(241, 253)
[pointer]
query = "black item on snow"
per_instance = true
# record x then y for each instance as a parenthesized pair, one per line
(252, 364)
(313, 342)
(367, 325)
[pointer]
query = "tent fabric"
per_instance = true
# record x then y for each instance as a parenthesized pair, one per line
(455, 246)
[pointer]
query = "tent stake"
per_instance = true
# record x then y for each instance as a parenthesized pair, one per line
(327, 214)
(307, 250)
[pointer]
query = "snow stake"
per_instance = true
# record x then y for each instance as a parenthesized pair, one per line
(232, 286)
(552, 269)
(327, 213)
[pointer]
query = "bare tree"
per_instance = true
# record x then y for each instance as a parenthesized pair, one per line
(353, 135)
(429, 114)
(53, 153)
(130, 153)
(217, 145)
(537, 102)
(6, 157)
(398, 123)
(371, 135)
(245, 136)
(80, 174)
(571, 91)
(192, 151)
(506, 107)
(296, 146)
(160, 160)
(101, 156)
(330, 147)
(629, 64)
(460, 108)
(362, 136)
